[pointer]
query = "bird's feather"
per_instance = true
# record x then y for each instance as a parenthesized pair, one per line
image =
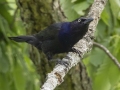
(58, 37)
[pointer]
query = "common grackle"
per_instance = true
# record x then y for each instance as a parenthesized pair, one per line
(57, 38)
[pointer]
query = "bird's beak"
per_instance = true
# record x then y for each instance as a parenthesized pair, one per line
(88, 20)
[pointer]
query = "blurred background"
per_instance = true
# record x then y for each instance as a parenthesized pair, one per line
(18, 72)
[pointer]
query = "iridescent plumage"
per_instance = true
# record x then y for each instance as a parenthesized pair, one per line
(57, 38)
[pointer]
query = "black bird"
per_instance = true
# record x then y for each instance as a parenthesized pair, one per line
(57, 38)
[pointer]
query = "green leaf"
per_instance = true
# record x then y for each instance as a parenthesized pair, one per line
(4, 11)
(19, 77)
(115, 7)
(105, 16)
(4, 27)
(4, 82)
(100, 32)
(107, 76)
(4, 61)
(114, 74)
(101, 80)
(73, 1)
(119, 15)
(96, 59)
(67, 7)
(81, 7)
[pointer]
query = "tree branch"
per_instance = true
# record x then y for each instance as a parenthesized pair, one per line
(55, 78)
(108, 53)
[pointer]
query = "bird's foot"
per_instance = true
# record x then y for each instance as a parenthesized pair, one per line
(61, 62)
(76, 51)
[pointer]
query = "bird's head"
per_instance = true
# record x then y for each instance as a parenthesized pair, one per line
(81, 22)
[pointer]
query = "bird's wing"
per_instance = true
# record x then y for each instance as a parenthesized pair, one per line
(49, 33)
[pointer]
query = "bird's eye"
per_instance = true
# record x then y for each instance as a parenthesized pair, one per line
(79, 20)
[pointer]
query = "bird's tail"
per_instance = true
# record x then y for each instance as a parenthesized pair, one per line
(29, 39)
(21, 38)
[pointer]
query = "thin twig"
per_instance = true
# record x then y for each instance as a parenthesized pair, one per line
(108, 53)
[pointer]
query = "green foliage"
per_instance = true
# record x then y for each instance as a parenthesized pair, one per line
(77, 7)
(17, 72)
(104, 73)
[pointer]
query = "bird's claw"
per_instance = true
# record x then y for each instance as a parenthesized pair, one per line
(76, 51)
(65, 63)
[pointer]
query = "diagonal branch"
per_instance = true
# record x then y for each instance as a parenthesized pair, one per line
(108, 53)
(55, 78)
